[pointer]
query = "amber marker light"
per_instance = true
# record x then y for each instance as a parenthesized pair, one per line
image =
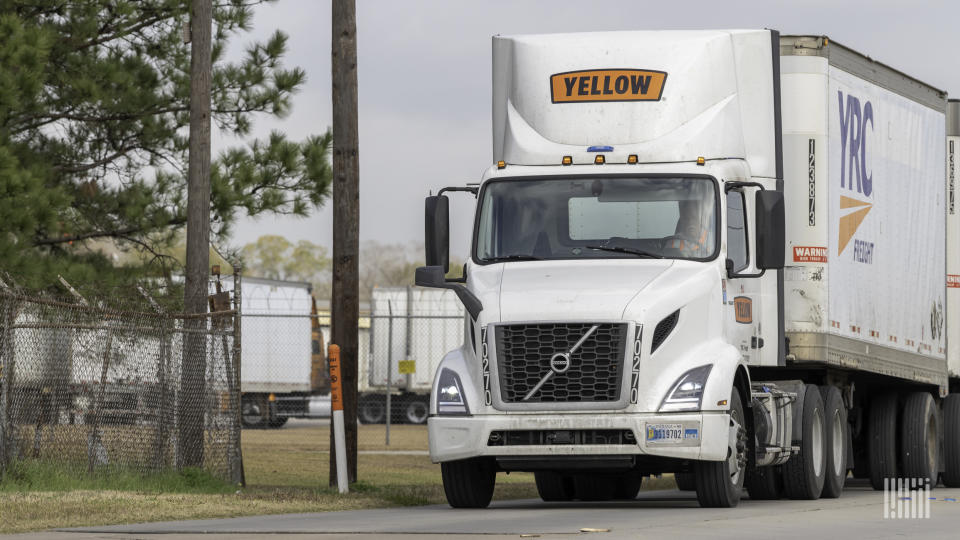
(701, 161)
(632, 159)
(501, 164)
(567, 160)
(599, 160)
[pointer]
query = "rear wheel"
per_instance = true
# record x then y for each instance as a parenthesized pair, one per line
(719, 483)
(951, 441)
(920, 444)
(589, 487)
(627, 487)
(468, 483)
(372, 410)
(553, 486)
(883, 439)
(686, 481)
(278, 422)
(415, 410)
(835, 416)
(803, 473)
(253, 411)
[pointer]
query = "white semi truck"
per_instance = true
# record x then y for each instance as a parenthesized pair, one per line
(729, 255)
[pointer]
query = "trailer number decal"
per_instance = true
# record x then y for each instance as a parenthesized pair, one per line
(743, 309)
(812, 182)
(595, 85)
(485, 366)
(635, 373)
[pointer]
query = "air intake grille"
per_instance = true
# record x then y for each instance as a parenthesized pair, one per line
(595, 369)
(663, 330)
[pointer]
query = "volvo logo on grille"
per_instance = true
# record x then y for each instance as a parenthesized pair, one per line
(560, 363)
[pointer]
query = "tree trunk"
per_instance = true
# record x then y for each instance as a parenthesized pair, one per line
(194, 366)
(346, 220)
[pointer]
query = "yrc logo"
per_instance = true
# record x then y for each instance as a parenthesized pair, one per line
(855, 175)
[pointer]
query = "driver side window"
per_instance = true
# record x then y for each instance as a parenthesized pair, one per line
(736, 231)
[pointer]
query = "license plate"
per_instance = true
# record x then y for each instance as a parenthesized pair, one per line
(664, 432)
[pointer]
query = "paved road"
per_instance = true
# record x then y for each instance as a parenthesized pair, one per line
(658, 514)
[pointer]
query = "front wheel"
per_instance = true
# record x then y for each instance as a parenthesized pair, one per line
(468, 483)
(719, 483)
(553, 486)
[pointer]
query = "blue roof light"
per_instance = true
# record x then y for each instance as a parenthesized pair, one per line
(599, 149)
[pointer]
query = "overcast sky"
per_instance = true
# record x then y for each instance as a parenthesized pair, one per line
(424, 80)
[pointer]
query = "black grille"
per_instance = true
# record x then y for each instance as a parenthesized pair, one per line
(523, 359)
(561, 437)
(663, 330)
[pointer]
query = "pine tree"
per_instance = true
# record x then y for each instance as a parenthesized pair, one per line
(94, 102)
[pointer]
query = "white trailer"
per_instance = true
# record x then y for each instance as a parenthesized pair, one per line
(410, 330)
(721, 254)
(277, 357)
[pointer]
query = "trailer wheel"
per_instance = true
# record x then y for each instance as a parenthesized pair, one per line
(951, 441)
(278, 422)
(835, 427)
(415, 410)
(686, 481)
(253, 411)
(468, 483)
(553, 486)
(589, 487)
(627, 487)
(719, 483)
(919, 445)
(803, 473)
(765, 483)
(372, 410)
(882, 437)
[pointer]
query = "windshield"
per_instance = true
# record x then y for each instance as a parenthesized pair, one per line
(583, 218)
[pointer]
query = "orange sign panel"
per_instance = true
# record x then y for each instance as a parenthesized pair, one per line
(743, 309)
(595, 85)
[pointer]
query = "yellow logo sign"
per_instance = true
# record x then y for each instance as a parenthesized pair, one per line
(852, 220)
(595, 85)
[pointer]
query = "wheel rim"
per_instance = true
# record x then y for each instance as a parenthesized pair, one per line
(736, 448)
(416, 412)
(816, 442)
(373, 412)
(252, 414)
(838, 443)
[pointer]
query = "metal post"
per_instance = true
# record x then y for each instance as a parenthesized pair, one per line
(408, 325)
(389, 365)
(235, 391)
(6, 370)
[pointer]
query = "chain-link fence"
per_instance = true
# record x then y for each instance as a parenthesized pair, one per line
(102, 383)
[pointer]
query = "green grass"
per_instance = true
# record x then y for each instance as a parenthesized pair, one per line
(45, 475)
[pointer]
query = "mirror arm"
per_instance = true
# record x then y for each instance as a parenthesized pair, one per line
(432, 276)
(469, 189)
(736, 185)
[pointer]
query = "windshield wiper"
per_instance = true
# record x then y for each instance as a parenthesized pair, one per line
(514, 257)
(637, 252)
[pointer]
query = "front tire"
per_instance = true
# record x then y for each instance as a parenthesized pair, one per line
(919, 448)
(720, 483)
(765, 483)
(803, 473)
(468, 483)
(836, 442)
(594, 488)
(627, 487)
(686, 481)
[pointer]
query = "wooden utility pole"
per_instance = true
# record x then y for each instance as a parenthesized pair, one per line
(346, 220)
(190, 406)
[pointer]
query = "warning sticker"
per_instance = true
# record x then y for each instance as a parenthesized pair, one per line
(809, 254)
(953, 281)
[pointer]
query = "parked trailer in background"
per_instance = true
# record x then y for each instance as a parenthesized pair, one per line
(282, 358)
(721, 254)
(409, 331)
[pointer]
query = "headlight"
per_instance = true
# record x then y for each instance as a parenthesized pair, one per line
(687, 392)
(450, 398)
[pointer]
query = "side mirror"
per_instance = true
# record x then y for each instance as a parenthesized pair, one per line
(437, 232)
(433, 276)
(771, 229)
